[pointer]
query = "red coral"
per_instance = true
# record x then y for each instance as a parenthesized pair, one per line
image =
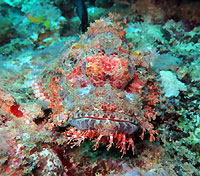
(14, 109)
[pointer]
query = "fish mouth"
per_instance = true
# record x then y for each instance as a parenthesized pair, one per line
(106, 122)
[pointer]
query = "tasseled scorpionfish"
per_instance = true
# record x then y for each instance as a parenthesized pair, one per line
(102, 88)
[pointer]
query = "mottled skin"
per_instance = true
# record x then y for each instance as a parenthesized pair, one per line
(110, 91)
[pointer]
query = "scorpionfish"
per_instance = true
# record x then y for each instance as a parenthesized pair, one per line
(102, 88)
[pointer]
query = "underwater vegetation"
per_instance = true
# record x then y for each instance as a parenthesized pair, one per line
(122, 98)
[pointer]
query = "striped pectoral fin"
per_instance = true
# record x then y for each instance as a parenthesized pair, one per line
(38, 90)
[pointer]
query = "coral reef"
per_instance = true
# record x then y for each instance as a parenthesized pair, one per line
(159, 11)
(28, 26)
(171, 85)
(25, 146)
(130, 78)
